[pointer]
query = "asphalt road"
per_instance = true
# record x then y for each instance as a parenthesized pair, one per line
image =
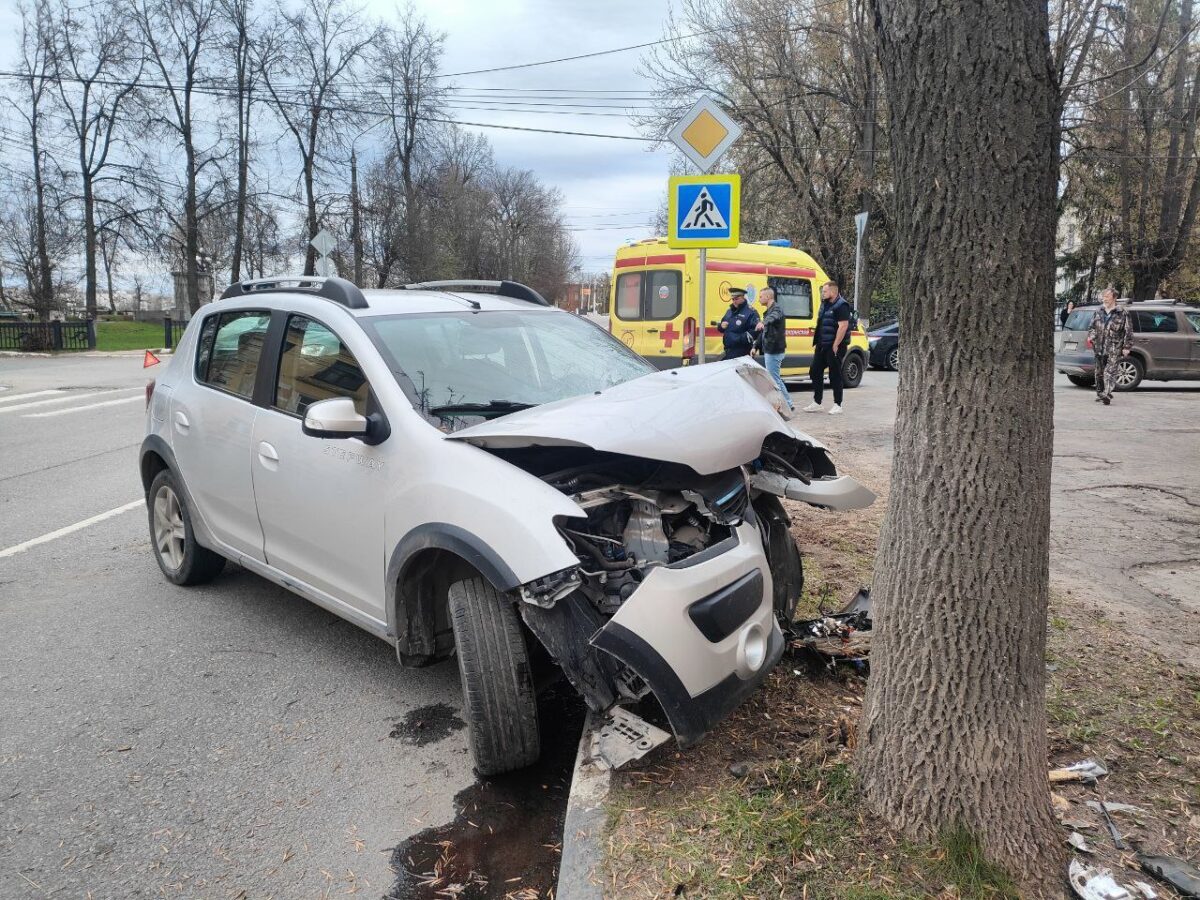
(166, 741)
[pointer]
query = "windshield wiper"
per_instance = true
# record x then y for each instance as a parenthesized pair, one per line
(499, 407)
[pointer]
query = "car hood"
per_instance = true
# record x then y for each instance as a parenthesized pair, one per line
(711, 418)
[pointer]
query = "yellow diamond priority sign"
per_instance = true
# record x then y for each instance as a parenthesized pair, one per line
(704, 133)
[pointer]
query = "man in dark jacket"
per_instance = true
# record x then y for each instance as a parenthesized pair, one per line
(831, 338)
(738, 325)
(772, 340)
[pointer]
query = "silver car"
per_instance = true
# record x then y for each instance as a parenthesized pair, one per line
(1166, 345)
(461, 469)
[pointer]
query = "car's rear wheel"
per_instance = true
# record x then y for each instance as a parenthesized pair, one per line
(498, 696)
(1130, 372)
(181, 559)
(1081, 381)
(852, 370)
(893, 359)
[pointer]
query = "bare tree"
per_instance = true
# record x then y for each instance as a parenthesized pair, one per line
(953, 734)
(320, 45)
(238, 45)
(96, 72)
(176, 37)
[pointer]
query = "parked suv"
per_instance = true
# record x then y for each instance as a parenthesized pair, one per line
(1166, 345)
(460, 469)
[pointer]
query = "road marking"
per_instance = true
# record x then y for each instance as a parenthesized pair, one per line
(30, 394)
(70, 529)
(66, 399)
(75, 409)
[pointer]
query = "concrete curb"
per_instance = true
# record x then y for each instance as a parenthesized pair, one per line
(89, 354)
(583, 829)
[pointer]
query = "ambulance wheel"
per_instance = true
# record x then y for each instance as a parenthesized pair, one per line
(852, 370)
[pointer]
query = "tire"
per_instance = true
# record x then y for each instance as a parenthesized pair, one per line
(498, 696)
(181, 559)
(852, 370)
(893, 359)
(1081, 381)
(1130, 372)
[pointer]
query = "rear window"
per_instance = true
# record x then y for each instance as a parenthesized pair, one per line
(1080, 320)
(794, 295)
(655, 295)
(1155, 322)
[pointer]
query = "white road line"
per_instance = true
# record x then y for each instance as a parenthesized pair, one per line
(66, 399)
(70, 529)
(75, 409)
(9, 399)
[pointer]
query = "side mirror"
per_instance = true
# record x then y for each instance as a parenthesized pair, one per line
(334, 418)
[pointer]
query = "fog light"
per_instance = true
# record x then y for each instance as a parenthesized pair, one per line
(754, 648)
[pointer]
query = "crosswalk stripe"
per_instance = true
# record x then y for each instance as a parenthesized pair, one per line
(70, 529)
(9, 398)
(36, 403)
(75, 409)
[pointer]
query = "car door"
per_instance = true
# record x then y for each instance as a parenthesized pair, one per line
(212, 422)
(1192, 317)
(320, 500)
(1158, 333)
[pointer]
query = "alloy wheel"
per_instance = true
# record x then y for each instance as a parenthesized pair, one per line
(169, 532)
(893, 358)
(1126, 373)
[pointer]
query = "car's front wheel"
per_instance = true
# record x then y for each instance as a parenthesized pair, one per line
(1130, 372)
(498, 696)
(1081, 381)
(181, 559)
(893, 359)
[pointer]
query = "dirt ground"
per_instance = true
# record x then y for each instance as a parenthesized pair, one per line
(767, 806)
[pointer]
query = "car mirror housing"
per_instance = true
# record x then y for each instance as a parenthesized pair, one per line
(335, 418)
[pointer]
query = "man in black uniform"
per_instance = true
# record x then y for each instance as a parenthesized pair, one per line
(830, 341)
(738, 325)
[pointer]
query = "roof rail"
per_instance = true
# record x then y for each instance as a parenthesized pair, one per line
(339, 290)
(512, 289)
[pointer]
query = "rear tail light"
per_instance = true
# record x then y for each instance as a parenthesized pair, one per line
(149, 392)
(689, 338)
(1089, 342)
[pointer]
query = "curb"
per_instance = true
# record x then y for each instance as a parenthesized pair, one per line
(583, 828)
(88, 354)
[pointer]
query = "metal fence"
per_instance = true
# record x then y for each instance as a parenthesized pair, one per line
(44, 336)
(172, 331)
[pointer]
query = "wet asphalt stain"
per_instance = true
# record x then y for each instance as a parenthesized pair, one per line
(427, 724)
(506, 839)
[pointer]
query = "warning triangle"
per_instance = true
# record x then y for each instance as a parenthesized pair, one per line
(703, 215)
(150, 360)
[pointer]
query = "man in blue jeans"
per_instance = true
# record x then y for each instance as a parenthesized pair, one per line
(830, 341)
(772, 340)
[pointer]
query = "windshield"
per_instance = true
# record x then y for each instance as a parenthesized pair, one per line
(494, 362)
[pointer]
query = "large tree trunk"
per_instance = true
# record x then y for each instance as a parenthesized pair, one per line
(89, 244)
(1146, 278)
(191, 238)
(954, 727)
(356, 240)
(43, 292)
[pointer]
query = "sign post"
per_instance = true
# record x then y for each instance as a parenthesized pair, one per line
(708, 215)
(324, 243)
(860, 225)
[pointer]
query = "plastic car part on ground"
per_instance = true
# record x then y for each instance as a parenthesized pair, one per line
(622, 737)
(1179, 873)
(1086, 771)
(843, 636)
(1096, 883)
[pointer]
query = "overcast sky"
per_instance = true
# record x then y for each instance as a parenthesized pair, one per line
(611, 188)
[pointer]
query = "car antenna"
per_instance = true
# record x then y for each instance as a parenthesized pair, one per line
(474, 304)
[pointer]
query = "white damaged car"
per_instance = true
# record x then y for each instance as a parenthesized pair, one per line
(463, 470)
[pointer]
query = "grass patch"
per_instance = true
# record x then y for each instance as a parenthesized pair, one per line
(129, 335)
(965, 867)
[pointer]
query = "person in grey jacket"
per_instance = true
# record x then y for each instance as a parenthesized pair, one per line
(772, 339)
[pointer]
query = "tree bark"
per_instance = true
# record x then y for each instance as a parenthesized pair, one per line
(954, 726)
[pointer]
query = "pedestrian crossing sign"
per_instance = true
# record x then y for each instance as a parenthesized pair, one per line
(703, 210)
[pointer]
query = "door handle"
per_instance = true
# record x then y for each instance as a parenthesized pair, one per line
(181, 422)
(652, 331)
(267, 453)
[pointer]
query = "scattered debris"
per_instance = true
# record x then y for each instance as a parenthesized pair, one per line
(1148, 892)
(1086, 771)
(842, 636)
(739, 770)
(1115, 807)
(1061, 804)
(1179, 873)
(623, 737)
(1094, 883)
(1118, 841)
(1078, 841)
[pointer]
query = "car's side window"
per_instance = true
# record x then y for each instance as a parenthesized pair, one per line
(230, 348)
(315, 365)
(794, 295)
(1156, 322)
(1194, 318)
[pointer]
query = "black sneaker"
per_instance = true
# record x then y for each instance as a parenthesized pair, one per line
(1107, 400)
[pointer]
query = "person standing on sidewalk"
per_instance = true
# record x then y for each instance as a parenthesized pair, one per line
(738, 325)
(830, 341)
(772, 339)
(1111, 338)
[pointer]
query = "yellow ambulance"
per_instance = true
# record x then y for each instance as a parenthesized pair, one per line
(654, 305)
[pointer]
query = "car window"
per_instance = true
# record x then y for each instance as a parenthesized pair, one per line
(315, 365)
(230, 348)
(1194, 318)
(656, 295)
(794, 296)
(1155, 322)
(1080, 319)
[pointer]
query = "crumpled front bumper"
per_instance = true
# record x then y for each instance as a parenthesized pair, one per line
(702, 633)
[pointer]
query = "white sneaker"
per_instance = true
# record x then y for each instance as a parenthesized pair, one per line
(836, 411)
(813, 407)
